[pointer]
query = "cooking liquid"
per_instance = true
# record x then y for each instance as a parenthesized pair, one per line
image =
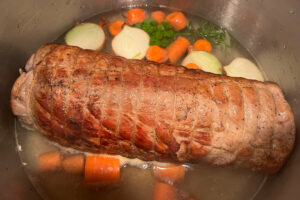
(202, 181)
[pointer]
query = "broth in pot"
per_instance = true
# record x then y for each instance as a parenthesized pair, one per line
(201, 181)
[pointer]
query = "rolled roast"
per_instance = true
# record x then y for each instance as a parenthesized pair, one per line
(96, 102)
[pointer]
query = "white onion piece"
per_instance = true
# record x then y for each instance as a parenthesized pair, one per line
(242, 67)
(131, 43)
(206, 61)
(86, 36)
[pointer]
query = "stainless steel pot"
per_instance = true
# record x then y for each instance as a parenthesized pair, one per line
(269, 29)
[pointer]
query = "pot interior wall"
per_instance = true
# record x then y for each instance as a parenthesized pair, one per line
(267, 29)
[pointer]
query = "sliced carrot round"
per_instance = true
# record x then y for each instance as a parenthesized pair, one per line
(74, 164)
(202, 45)
(101, 170)
(164, 191)
(157, 54)
(177, 20)
(159, 16)
(115, 27)
(50, 162)
(169, 174)
(135, 15)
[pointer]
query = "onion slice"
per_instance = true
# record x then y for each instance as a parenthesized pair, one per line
(242, 67)
(131, 43)
(204, 60)
(86, 36)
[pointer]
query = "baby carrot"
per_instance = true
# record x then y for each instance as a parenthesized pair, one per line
(169, 174)
(157, 54)
(177, 20)
(202, 45)
(192, 66)
(50, 162)
(135, 15)
(164, 191)
(159, 16)
(115, 27)
(73, 164)
(101, 170)
(177, 48)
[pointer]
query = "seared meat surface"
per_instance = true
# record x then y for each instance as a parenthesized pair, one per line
(96, 102)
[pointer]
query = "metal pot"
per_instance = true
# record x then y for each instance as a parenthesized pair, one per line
(268, 29)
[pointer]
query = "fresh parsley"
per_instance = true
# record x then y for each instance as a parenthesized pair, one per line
(160, 34)
(163, 34)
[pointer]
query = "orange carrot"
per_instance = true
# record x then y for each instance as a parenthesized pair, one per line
(164, 191)
(115, 27)
(202, 45)
(169, 174)
(50, 162)
(74, 164)
(135, 15)
(192, 66)
(159, 16)
(157, 54)
(177, 48)
(177, 20)
(101, 170)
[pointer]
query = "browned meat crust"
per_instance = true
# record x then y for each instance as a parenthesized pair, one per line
(106, 104)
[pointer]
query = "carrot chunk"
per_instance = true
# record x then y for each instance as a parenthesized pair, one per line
(169, 174)
(157, 54)
(177, 20)
(159, 16)
(50, 162)
(73, 164)
(177, 49)
(115, 27)
(135, 15)
(101, 170)
(202, 45)
(164, 191)
(192, 66)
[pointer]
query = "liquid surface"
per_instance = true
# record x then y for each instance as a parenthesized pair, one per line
(201, 181)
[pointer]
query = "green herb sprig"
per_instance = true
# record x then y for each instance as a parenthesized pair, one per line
(160, 34)
(209, 31)
(163, 34)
